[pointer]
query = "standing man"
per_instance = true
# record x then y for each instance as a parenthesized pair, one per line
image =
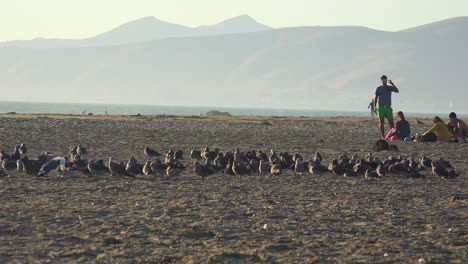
(383, 96)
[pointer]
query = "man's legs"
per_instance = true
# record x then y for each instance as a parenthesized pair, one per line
(390, 122)
(382, 127)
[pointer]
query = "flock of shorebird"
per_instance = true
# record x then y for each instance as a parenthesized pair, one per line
(209, 162)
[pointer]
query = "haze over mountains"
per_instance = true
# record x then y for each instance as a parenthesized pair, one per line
(243, 63)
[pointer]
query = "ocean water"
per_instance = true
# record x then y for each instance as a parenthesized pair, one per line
(116, 109)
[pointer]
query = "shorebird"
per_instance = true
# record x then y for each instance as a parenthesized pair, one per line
(81, 150)
(4, 156)
(253, 166)
(9, 164)
(172, 171)
(239, 169)
(335, 168)
(380, 170)
(23, 150)
(195, 154)
(19, 165)
(116, 169)
(149, 152)
(263, 167)
(371, 175)
(179, 155)
(317, 156)
(228, 170)
(158, 167)
(16, 154)
(299, 166)
(131, 168)
(202, 170)
(147, 168)
(275, 170)
(31, 167)
(53, 166)
(438, 169)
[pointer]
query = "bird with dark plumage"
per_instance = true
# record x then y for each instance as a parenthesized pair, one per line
(299, 166)
(179, 155)
(116, 169)
(9, 164)
(172, 171)
(19, 165)
(438, 169)
(97, 166)
(371, 175)
(4, 156)
(263, 167)
(335, 168)
(23, 150)
(16, 154)
(239, 169)
(53, 166)
(195, 154)
(31, 167)
(149, 152)
(202, 170)
(158, 168)
(147, 168)
(131, 168)
(81, 150)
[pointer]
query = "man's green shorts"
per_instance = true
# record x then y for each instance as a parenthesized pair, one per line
(384, 112)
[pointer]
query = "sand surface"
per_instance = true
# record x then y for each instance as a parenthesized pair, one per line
(264, 219)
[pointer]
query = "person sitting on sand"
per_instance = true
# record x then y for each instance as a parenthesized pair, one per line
(460, 128)
(439, 132)
(402, 130)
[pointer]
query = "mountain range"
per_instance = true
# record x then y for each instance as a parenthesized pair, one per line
(144, 29)
(243, 63)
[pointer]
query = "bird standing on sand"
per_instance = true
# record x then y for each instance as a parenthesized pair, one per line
(275, 169)
(335, 168)
(81, 150)
(9, 164)
(4, 156)
(53, 166)
(371, 175)
(149, 152)
(299, 166)
(16, 154)
(23, 150)
(147, 168)
(202, 170)
(31, 167)
(116, 169)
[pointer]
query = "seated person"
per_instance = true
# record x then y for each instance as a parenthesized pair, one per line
(439, 132)
(459, 127)
(402, 129)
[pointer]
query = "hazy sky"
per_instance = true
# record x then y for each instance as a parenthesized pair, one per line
(26, 19)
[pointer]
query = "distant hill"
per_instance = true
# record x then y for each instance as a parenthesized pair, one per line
(336, 68)
(142, 30)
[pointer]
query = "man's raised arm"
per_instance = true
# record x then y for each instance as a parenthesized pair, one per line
(394, 88)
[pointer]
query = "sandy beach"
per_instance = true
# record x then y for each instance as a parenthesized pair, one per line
(224, 219)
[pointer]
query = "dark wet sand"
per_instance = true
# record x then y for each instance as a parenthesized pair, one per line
(284, 219)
